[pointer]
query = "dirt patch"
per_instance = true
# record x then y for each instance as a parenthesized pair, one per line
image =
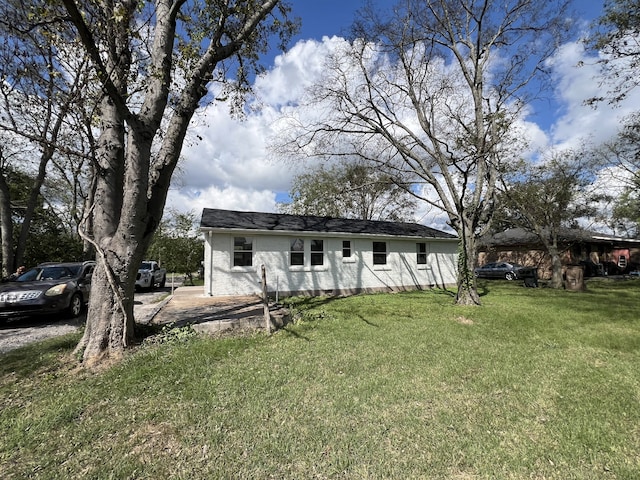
(464, 320)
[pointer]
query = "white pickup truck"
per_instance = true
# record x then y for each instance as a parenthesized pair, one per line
(150, 274)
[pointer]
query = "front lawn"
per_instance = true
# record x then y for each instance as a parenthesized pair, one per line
(536, 384)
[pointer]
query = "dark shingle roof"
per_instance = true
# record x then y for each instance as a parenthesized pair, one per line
(522, 237)
(229, 219)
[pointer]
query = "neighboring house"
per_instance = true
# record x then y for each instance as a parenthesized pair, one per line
(321, 255)
(600, 254)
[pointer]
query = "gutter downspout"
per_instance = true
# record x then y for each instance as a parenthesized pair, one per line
(210, 276)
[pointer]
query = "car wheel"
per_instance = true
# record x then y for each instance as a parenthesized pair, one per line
(75, 306)
(163, 281)
(510, 276)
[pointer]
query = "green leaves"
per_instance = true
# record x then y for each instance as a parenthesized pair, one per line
(350, 190)
(177, 244)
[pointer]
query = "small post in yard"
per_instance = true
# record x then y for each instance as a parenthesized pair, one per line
(265, 301)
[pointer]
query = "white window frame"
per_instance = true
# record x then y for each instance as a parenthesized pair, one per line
(421, 254)
(297, 252)
(243, 268)
(351, 258)
(313, 253)
(378, 253)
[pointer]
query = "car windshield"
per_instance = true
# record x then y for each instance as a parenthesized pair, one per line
(54, 272)
(29, 275)
(145, 266)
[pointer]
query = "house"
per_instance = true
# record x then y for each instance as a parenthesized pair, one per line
(321, 255)
(600, 254)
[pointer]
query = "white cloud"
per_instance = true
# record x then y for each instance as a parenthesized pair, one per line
(577, 78)
(294, 71)
(226, 163)
(231, 167)
(229, 198)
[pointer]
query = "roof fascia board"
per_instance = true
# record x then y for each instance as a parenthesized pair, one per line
(298, 233)
(615, 239)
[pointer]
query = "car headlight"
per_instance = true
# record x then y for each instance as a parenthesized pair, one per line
(57, 290)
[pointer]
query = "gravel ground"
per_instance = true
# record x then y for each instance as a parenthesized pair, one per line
(18, 333)
(21, 332)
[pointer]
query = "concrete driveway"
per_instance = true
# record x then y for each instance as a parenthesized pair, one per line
(189, 305)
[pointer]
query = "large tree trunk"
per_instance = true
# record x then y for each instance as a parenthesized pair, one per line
(550, 242)
(6, 227)
(108, 329)
(467, 288)
(556, 268)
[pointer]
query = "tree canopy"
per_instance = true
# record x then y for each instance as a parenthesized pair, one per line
(616, 36)
(625, 153)
(546, 197)
(46, 106)
(350, 190)
(178, 245)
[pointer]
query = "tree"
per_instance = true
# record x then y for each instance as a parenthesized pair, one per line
(624, 153)
(616, 37)
(351, 190)
(6, 217)
(626, 212)
(56, 240)
(177, 244)
(431, 93)
(157, 63)
(546, 198)
(44, 81)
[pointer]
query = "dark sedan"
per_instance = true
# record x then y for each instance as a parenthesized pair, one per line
(46, 289)
(510, 271)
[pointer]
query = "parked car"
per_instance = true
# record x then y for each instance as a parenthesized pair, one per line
(150, 274)
(510, 271)
(46, 289)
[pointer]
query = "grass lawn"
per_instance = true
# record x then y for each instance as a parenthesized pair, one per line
(535, 384)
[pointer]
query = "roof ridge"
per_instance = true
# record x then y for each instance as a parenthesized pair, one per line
(220, 218)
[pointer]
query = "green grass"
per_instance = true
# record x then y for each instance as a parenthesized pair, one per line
(535, 384)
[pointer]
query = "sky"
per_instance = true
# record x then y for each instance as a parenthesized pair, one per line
(226, 163)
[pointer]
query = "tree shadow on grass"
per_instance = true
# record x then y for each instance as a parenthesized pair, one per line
(293, 333)
(371, 324)
(29, 359)
(306, 303)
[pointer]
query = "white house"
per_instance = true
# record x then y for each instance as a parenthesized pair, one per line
(321, 255)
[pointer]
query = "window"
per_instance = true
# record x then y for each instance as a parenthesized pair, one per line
(622, 261)
(242, 252)
(297, 252)
(317, 252)
(379, 253)
(421, 253)
(346, 249)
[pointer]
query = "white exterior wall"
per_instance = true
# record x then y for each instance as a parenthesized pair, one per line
(336, 275)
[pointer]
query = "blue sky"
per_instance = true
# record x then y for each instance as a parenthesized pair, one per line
(325, 17)
(231, 167)
(334, 17)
